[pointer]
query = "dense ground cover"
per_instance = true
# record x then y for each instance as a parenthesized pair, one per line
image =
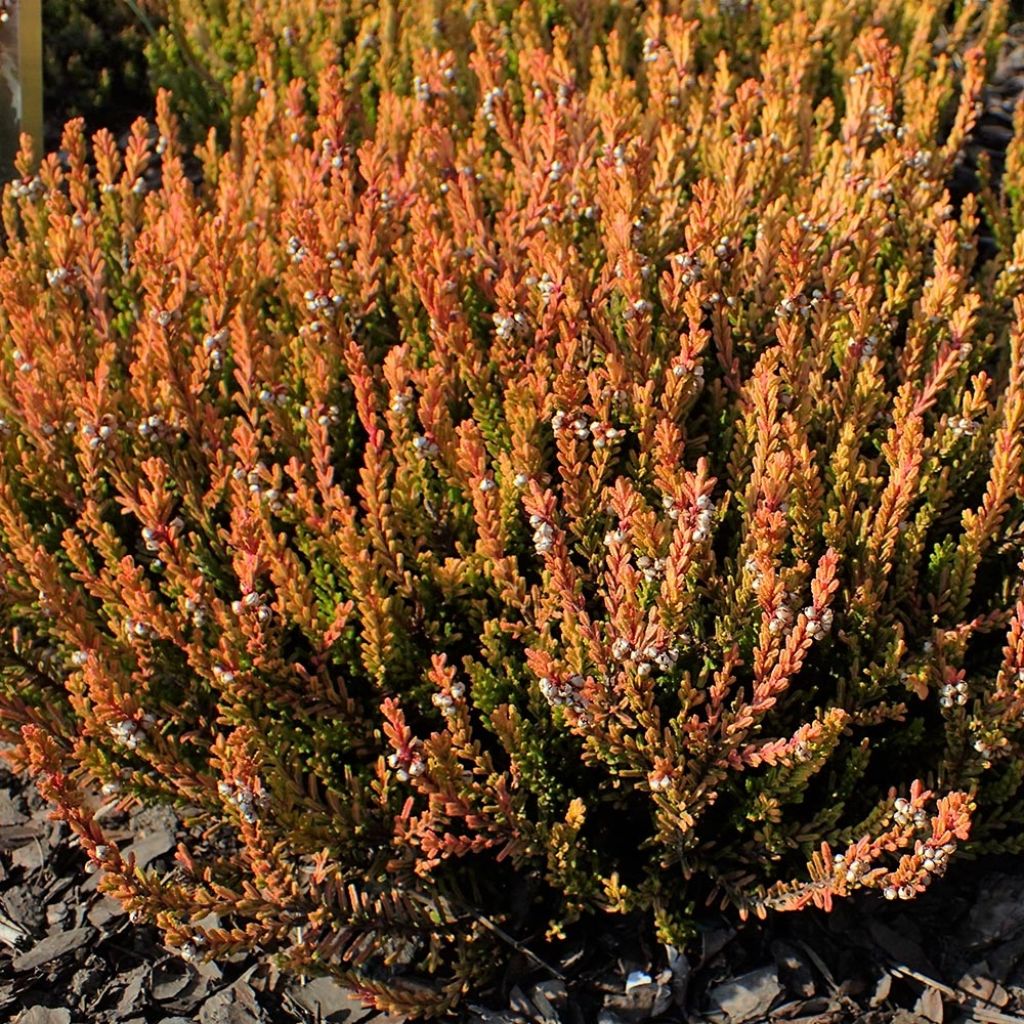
(573, 474)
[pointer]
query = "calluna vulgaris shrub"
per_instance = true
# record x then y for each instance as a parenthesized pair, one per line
(93, 58)
(593, 484)
(216, 55)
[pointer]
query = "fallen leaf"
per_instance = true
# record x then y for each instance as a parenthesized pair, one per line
(170, 979)
(794, 970)
(9, 812)
(680, 968)
(748, 997)
(105, 910)
(51, 948)
(552, 990)
(978, 983)
(235, 1005)
(44, 1015)
(13, 836)
(882, 989)
(29, 857)
(324, 996)
(930, 1006)
(637, 979)
(131, 994)
(546, 1012)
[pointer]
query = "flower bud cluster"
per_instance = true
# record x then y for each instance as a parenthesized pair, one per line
(61, 278)
(99, 434)
(253, 603)
(325, 419)
(906, 815)
(564, 693)
(296, 249)
(636, 308)
(543, 534)
(488, 104)
(702, 514)
(165, 317)
(507, 326)
(333, 256)
(613, 537)
(111, 787)
(819, 623)
(129, 732)
(422, 90)
(101, 851)
(963, 350)
(401, 403)
(796, 305)
(196, 612)
(851, 871)
(425, 446)
(28, 188)
(273, 395)
(815, 226)
(651, 568)
(447, 701)
(963, 426)
(880, 120)
(988, 740)
(604, 433)
(694, 371)
(408, 763)
(137, 628)
(223, 674)
(154, 427)
(248, 801)
(190, 950)
(323, 304)
(783, 616)
(154, 536)
(647, 659)
(954, 694)
(691, 265)
(935, 858)
(544, 284)
(255, 480)
(864, 348)
(903, 892)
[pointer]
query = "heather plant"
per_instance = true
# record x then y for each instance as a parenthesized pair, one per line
(216, 55)
(554, 496)
(94, 62)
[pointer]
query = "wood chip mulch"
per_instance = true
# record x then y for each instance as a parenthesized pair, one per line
(69, 955)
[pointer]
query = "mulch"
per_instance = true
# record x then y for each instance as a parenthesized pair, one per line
(69, 955)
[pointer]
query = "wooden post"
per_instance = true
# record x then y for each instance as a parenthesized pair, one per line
(21, 78)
